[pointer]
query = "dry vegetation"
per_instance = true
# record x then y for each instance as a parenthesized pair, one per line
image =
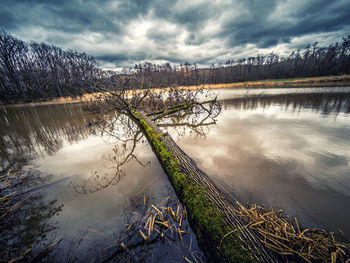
(343, 80)
(284, 236)
(147, 224)
(330, 81)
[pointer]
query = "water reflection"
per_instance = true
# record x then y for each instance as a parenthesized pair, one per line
(28, 131)
(57, 142)
(125, 137)
(197, 121)
(92, 165)
(25, 218)
(325, 103)
(286, 151)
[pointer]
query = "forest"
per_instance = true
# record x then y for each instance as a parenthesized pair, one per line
(38, 71)
(33, 71)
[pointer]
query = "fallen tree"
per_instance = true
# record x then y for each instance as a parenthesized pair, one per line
(224, 231)
(210, 210)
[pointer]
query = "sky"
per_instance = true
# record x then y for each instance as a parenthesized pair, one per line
(121, 33)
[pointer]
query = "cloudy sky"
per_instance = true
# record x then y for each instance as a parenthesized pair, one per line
(121, 33)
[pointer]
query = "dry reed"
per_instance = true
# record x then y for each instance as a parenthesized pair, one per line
(285, 236)
(160, 220)
(149, 223)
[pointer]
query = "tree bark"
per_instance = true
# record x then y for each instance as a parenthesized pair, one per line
(215, 195)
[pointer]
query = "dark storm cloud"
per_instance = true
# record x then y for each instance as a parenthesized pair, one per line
(120, 58)
(267, 25)
(6, 19)
(191, 16)
(122, 33)
(114, 58)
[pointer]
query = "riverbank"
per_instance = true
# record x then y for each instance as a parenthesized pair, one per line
(327, 81)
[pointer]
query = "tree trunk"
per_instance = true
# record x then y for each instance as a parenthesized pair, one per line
(210, 209)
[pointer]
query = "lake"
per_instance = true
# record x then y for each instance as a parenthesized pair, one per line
(283, 148)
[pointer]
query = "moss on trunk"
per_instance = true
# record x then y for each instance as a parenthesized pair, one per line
(205, 218)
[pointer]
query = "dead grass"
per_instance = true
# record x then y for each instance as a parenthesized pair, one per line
(147, 223)
(327, 81)
(158, 220)
(278, 232)
(284, 236)
(85, 97)
(343, 80)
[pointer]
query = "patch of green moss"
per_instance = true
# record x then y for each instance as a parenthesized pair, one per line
(206, 220)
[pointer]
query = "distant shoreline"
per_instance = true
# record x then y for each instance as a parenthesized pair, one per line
(328, 81)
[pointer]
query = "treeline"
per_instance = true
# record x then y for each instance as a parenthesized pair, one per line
(311, 61)
(31, 71)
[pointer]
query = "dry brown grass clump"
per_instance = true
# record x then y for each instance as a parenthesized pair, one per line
(287, 238)
(152, 227)
(163, 219)
(159, 220)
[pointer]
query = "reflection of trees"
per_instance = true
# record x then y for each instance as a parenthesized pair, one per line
(24, 133)
(119, 129)
(326, 103)
(122, 154)
(28, 131)
(25, 220)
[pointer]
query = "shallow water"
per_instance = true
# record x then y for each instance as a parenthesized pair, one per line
(88, 178)
(284, 148)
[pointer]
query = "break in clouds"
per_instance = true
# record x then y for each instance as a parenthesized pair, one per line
(122, 33)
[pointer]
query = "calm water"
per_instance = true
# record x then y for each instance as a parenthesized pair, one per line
(80, 185)
(284, 148)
